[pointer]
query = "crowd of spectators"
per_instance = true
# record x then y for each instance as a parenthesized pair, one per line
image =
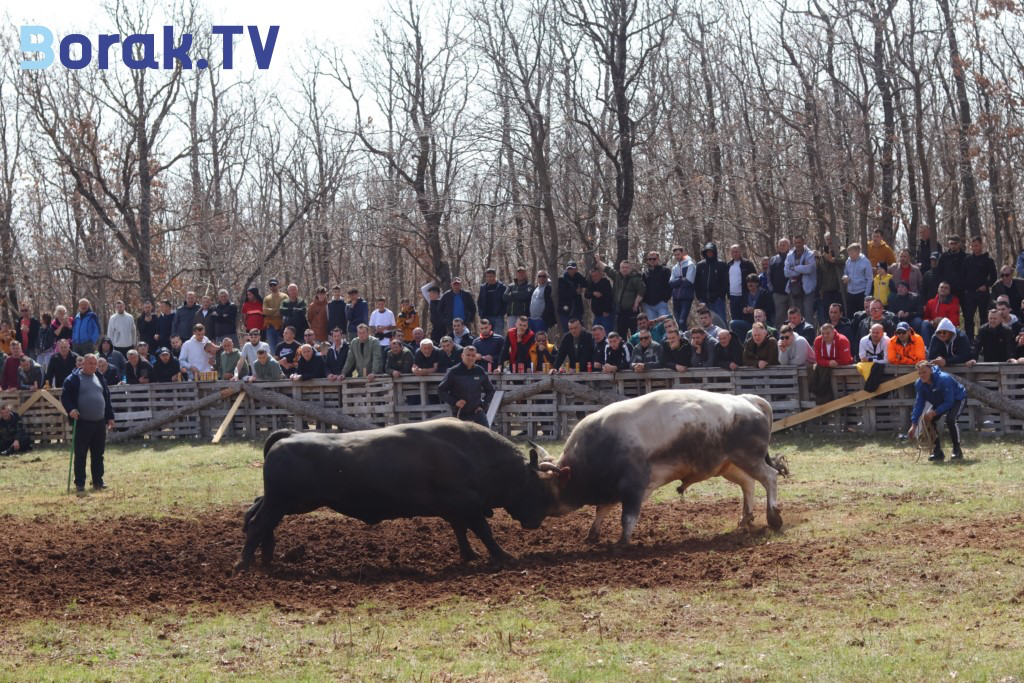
(823, 308)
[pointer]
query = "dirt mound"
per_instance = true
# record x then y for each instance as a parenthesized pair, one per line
(328, 561)
(332, 561)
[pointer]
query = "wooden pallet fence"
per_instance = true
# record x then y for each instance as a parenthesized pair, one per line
(546, 414)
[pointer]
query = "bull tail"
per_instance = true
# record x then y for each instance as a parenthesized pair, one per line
(274, 438)
(252, 513)
(779, 464)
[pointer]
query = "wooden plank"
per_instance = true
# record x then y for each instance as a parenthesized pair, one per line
(49, 398)
(230, 416)
(844, 402)
(31, 401)
(492, 409)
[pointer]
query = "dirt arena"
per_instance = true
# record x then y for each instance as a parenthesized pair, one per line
(327, 561)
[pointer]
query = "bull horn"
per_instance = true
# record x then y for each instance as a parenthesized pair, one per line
(548, 466)
(540, 449)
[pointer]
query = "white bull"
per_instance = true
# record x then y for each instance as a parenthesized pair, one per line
(627, 450)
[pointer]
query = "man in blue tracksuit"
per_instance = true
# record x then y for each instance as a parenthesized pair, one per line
(85, 331)
(947, 398)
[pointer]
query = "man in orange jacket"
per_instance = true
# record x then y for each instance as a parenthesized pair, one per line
(906, 347)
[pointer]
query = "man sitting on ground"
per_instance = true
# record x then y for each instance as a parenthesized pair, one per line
(14, 438)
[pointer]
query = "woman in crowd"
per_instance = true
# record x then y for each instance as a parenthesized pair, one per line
(252, 312)
(61, 325)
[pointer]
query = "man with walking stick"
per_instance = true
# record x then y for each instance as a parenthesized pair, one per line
(87, 401)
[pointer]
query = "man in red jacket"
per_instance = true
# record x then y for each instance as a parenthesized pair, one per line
(944, 305)
(831, 350)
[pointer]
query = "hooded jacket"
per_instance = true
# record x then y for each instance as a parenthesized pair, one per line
(951, 269)
(979, 270)
(956, 352)
(942, 393)
(86, 328)
(712, 281)
(516, 352)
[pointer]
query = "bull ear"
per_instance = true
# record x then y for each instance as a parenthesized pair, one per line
(564, 475)
(533, 459)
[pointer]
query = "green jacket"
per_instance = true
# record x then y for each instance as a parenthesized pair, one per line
(830, 274)
(267, 373)
(627, 289)
(363, 357)
(226, 363)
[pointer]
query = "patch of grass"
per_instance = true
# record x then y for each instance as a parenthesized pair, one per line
(900, 607)
(151, 480)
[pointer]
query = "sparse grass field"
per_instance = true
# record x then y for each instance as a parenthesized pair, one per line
(925, 582)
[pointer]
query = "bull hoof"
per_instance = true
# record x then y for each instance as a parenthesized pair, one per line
(746, 523)
(619, 547)
(501, 558)
(241, 566)
(774, 519)
(681, 489)
(593, 538)
(466, 558)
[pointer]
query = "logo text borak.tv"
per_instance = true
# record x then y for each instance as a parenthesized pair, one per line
(138, 50)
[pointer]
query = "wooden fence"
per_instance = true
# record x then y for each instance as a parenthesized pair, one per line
(549, 414)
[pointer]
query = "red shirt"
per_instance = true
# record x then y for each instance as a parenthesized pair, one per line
(25, 323)
(253, 312)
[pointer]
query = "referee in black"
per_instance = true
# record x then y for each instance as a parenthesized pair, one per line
(86, 398)
(467, 389)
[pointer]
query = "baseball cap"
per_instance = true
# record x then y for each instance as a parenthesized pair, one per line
(903, 283)
(936, 255)
(272, 281)
(572, 264)
(902, 327)
(456, 279)
(881, 264)
(162, 350)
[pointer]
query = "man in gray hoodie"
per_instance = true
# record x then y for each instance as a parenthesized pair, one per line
(684, 272)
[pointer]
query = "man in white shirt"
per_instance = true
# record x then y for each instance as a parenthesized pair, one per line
(875, 346)
(382, 322)
(250, 352)
(121, 329)
(193, 357)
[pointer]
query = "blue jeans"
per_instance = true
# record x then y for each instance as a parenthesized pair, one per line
(657, 310)
(273, 338)
(605, 321)
(718, 306)
(537, 325)
(927, 330)
(563, 322)
(682, 311)
(498, 323)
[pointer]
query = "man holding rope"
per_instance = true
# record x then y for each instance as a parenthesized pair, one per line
(944, 397)
(87, 402)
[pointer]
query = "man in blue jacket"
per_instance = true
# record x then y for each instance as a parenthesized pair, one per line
(85, 333)
(87, 401)
(947, 398)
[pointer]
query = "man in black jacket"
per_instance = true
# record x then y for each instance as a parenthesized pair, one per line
(577, 347)
(659, 291)
(1012, 287)
(490, 303)
(61, 364)
(467, 389)
(185, 317)
(224, 318)
(777, 278)
(978, 277)
(14, 438)
(906, 306)
(571, 286)
(336, 310)
(456, 303)
(712, 282)
(148, 326)
(518, 293)
(336, 356)
(599, 291)
(738, 269)
(950, 267)
(994, 342)
(293, 311)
